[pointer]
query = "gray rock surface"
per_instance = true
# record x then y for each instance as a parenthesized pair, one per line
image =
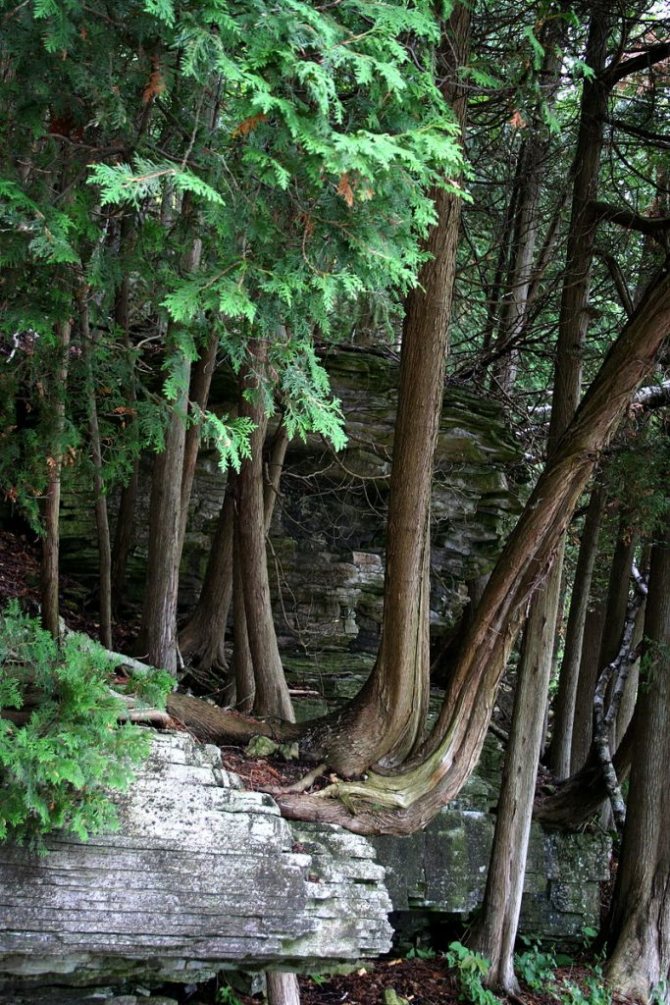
(201, 876)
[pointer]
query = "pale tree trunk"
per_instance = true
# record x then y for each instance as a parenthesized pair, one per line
(582, 725)
(282, 988)
(384, 722)
(639, 927)
(564, 711)
(496, 934)
(504, 888)
(54, 461)
(159, 614)
(272, 697)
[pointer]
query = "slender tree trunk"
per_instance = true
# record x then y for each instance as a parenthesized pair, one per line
(639, 927)
(564, 712)
(201, 379)
(101, 516)
(496, 934)
(159, 614)
(384, 722)
(243, 667)
(272, 697)
(125, 519)
(202, 639)
(504, 888)
(51, 541)
(582, 726)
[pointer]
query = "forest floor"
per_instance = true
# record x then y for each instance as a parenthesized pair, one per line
(420, 978)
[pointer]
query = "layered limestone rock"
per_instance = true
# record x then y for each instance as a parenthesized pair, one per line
(202, 876)
(326, 551)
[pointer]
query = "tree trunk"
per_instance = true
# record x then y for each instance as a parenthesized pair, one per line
(582, 726)
(564, 711)
(125, 518)
(639, 927)
(282, 988)
(54, 461)
(243, 668)
(201, 379)
(101, 517)
(406, 801)
(159, 614)
(384, 722)
(202, 639)
(272, 697)
(496, 935)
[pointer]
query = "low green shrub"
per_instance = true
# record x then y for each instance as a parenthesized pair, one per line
(58, 767)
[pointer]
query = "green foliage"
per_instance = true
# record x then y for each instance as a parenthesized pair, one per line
(471, 968)
(56, 770)
(226, 996)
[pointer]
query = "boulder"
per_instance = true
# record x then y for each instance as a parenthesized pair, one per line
(202, 876)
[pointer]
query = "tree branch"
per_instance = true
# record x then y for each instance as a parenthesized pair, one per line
(654, 54)
(625, 217)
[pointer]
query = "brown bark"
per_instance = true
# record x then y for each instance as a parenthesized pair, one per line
(272, 697)
(408, 800)
(201, 379)
(243, 667)
(159, 613)
(384, 722)
(564, 711)
(639, 926)
(101, 516)
(582, 726)
(54, 461)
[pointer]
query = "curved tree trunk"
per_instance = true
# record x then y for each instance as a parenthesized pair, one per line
(564, 711)
(639, 926)
(407, 800)
(384, 723)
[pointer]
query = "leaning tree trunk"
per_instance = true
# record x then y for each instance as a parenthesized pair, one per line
(385, 721)
(51, 541)
(404, 802)
(639, 926)
(496, 934)
(564, 710)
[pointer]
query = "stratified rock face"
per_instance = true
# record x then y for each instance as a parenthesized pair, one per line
(326, 553)
(442, 871)
(201, 877)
